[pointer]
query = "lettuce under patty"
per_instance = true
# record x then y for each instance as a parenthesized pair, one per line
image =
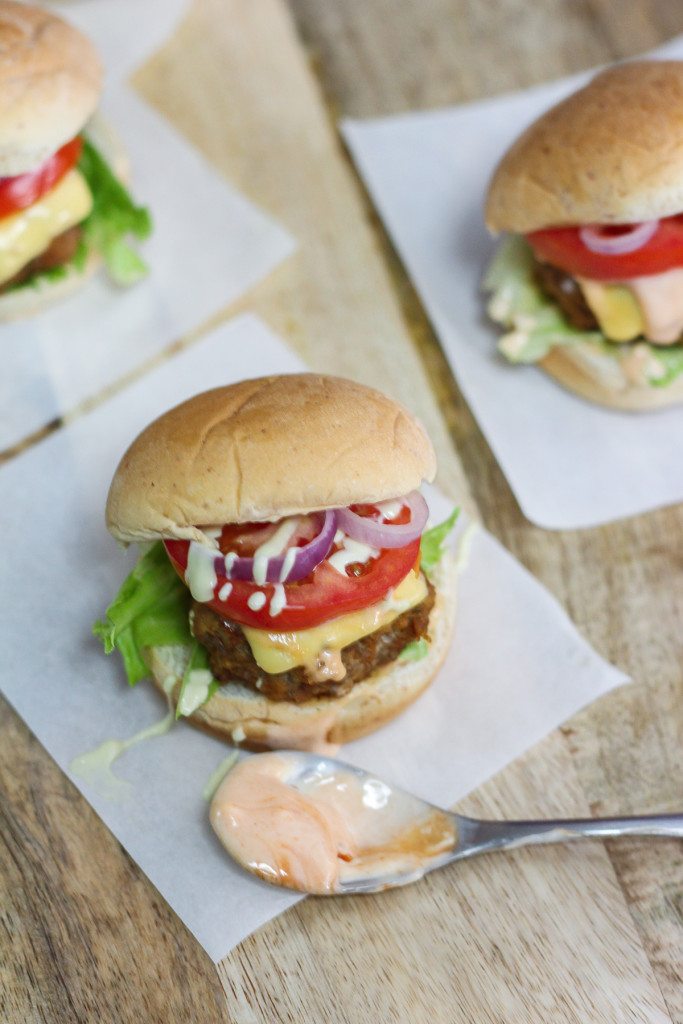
(114, 220)
(432, 546)
(416, 650)
(535, 323)
(152, 608)
(433, 541)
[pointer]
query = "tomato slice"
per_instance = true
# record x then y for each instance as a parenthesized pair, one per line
(322, 595)
(244, 538)
(563, 248)
(24, 190)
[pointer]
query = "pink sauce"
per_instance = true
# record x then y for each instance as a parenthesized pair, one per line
(660, 297)
(315, 831)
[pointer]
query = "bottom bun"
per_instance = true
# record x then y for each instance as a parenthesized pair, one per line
(247, 718)
(599, 377)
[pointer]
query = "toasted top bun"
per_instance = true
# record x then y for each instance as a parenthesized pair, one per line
(611, 153)
(263, 449)
(50, 83)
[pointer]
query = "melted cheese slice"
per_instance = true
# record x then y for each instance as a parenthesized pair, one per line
(24, 235)
(281, 652)
(616, 309)
(650, 307)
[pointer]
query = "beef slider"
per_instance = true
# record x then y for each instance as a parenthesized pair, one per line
(262, 451)
(231, 660)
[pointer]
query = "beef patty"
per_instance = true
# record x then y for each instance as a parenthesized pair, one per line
(564, 290)
(60, 250)
(231, 660)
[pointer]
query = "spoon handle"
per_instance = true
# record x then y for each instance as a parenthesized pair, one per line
(480, 836)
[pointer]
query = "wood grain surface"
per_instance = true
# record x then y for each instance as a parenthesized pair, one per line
(591, 933)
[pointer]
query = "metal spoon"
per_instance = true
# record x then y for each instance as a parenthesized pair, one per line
(398, 837)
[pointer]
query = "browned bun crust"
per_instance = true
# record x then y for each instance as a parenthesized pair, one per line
(50, 84)
(263, 449)
(566, 365)
(247, 718)
(611, 153)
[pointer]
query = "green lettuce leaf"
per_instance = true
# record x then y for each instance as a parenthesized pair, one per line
(432, 543)
(671, 359)
(536, 325)
(415, 651)
(114, 219)
(151, 609)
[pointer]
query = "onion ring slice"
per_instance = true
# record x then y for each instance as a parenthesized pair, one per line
(293, 565)
(385, 535)
(635, 236)
(213, 570)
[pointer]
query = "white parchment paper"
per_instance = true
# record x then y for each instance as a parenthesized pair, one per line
(124, 31)
(209, 245)
(570, 463)
(517, 667)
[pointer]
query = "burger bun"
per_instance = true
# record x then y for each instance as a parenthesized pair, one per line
(263, 449)
(611, 153)
(597, 377)
(50, 85)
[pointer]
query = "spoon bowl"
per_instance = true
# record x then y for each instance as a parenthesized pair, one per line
(319, 825)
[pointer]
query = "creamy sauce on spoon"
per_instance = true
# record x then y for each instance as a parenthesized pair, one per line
(316, 828)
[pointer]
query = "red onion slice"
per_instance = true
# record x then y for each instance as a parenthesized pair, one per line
(293, 565)
(598, 239)
(385, 535)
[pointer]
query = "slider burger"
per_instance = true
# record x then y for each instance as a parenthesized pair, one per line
(590, 282)
(62, 208)
(288, 594)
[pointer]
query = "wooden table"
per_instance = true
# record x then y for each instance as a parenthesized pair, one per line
(548, 935)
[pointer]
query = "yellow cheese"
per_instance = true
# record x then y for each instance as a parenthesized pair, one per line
(616, 309)
(280, 652)
(24, 235)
